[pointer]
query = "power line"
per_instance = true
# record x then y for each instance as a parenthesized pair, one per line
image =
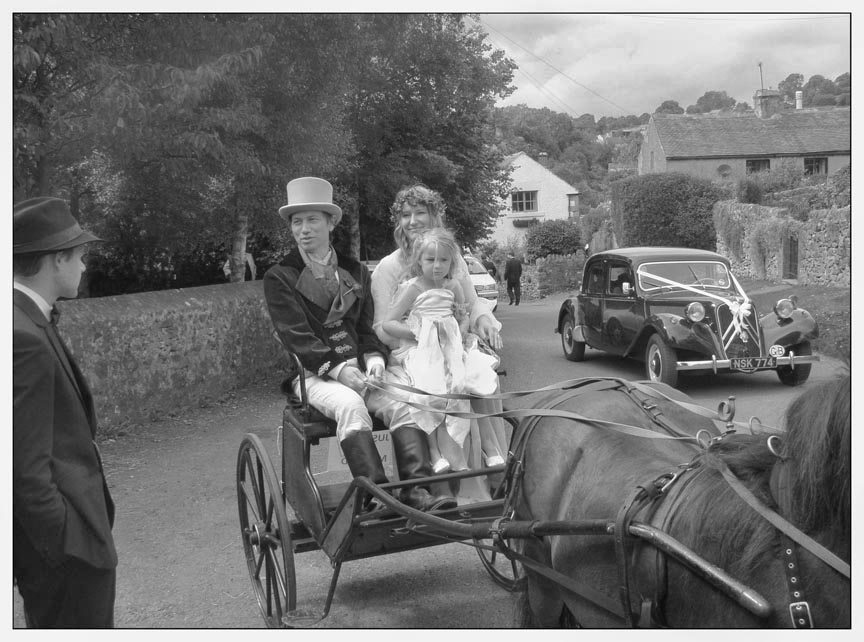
(547, 92)
(551, 66)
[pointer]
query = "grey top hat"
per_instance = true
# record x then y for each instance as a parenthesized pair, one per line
(310, 194)
(45, 224)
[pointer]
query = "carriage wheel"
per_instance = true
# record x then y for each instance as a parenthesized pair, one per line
(573, 350)
(265, 532)
(504, 572)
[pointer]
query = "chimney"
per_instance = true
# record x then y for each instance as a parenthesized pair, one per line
(766, 102)
(543, 159)
(799, 99)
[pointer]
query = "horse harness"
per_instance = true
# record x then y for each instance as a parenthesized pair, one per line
(644, 495)
(648, 497)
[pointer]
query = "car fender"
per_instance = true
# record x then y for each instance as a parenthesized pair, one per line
(677, 333)
(571, 306)
(798, 328)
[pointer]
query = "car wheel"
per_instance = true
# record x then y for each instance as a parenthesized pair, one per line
(660, 362)
(573, 350)
(795, 377)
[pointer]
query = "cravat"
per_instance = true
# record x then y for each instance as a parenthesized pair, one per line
(55, 316)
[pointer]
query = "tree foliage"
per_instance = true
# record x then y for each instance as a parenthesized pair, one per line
(671, 209)
(173, 136)
(712, 101)
(669, 107)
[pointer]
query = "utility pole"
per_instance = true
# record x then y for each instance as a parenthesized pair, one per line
(761, 83)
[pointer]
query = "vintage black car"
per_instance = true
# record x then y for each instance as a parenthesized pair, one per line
(682, 310)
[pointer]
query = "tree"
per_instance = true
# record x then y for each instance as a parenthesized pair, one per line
(423, 91)
(711, 101)
(788, 87)
(819, 91)
(669, 107)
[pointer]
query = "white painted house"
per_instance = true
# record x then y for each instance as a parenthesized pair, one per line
(537, 195)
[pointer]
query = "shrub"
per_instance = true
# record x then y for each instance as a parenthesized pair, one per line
(749, 191)
(671, 209)
(552, 237)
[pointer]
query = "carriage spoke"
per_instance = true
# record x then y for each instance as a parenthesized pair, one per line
(253, 508)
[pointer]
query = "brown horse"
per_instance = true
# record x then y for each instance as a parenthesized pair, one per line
(580, 470)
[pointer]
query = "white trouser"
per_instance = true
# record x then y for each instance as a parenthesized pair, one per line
(336, 401)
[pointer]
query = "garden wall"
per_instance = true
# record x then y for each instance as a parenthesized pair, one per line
(146, 355)
(756, 240)
(551, 274)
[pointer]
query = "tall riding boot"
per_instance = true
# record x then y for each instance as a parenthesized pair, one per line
(412, 460)
(364, 461)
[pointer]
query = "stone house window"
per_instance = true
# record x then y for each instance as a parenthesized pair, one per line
(758, 165)
(524, 201)
(815, 165)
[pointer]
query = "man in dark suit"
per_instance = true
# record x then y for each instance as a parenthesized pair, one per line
(64, 559)
(513, 277)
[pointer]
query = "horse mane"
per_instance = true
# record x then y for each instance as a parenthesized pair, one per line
(818, 454)
(814, 474)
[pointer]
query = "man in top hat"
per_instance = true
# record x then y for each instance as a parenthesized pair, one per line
(64, 559)
(320, 303)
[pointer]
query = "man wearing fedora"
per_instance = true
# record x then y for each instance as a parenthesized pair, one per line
(321, 307)
(64, 559)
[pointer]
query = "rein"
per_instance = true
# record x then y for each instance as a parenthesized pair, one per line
(389, 389)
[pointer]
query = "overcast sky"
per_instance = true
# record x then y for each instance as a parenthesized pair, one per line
(616, 64)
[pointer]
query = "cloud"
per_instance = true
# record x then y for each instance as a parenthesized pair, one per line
(619, 64)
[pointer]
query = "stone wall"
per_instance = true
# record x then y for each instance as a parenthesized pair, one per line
(549, 275)
(825, 248)
(148, 354)
(760, 237)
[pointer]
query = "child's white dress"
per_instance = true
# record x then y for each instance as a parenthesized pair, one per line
(439, 363)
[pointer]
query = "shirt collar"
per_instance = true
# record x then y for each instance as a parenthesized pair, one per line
(37, 298)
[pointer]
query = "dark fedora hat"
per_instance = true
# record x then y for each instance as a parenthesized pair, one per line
(45, 224)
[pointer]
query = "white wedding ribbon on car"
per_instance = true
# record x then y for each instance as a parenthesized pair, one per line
(740, 310)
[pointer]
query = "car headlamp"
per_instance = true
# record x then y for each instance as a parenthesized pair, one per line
(695, 312)
(783, 308)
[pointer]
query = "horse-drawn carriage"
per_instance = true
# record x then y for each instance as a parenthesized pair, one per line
(621, 504)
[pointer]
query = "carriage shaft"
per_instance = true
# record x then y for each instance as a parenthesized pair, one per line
(717, 577)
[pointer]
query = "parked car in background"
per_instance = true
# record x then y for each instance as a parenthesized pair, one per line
(483, 282)
(682, 310)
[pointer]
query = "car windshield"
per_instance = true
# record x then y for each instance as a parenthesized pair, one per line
(671, 274)
(474, 266)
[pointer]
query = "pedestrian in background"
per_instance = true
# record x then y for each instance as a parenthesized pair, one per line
(490, 267)
(64, 561)
(513, 277)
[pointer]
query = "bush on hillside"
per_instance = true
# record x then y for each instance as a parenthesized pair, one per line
(552, 237)
(671, 209)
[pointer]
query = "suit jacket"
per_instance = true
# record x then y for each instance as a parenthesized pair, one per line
(513, 270)
(322, 331)
(60, 500)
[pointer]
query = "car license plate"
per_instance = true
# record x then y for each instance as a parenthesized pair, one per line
(751, 364)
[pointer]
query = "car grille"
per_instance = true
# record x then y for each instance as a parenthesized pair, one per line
(736, 345)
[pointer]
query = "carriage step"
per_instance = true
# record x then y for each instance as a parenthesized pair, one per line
(302, 618)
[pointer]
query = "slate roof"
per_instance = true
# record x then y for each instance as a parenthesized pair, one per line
(794, 133)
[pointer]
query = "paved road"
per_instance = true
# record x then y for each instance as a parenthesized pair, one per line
(177, 532)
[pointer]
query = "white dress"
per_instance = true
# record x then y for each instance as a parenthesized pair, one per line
(488, 435)
(438, 362)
